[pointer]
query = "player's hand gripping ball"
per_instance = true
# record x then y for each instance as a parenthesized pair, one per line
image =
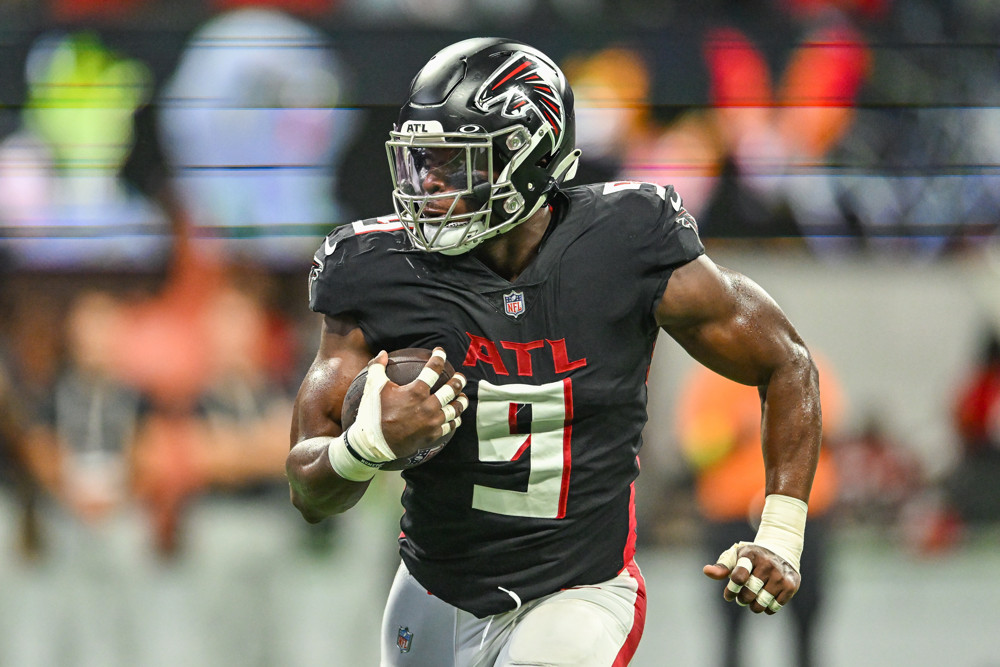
(403, 368)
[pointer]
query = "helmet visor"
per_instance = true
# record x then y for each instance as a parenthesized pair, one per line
(441, 174)
(445, 186)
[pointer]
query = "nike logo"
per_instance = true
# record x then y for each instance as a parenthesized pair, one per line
(675, 199)
(328, 247)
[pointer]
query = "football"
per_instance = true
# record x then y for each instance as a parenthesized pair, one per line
(403, 368)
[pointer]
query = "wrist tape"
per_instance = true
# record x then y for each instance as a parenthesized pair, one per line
(782, 527)
(348, 463)
(367, 439)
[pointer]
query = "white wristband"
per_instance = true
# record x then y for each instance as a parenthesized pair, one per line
(348, 465)
(783, 527)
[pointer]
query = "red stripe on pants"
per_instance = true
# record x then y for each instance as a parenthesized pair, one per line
(638, 619)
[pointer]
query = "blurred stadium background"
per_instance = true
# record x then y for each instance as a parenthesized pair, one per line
(168, 167)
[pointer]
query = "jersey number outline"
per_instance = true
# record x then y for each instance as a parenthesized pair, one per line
(547, 444)
(618, 186)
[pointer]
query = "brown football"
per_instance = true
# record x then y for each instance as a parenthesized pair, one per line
(403, 368)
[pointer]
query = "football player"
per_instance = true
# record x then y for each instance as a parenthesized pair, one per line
(518, 538)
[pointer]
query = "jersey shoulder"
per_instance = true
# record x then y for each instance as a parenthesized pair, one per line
(345, 241)
(641, 217)
(360, 248)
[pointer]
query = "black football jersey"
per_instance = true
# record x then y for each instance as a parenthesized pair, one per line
(534, 493)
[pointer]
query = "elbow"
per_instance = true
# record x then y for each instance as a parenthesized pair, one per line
(306, 508)
(316, 491)
(810, 370)
(800, 364)
(797, 372)
(302, 495)
(312, 507)
(804, 376)
(804, 373)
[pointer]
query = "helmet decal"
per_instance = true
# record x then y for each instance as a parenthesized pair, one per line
(520, 84)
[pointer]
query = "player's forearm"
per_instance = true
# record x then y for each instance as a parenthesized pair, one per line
(316, 490)
(791, 427)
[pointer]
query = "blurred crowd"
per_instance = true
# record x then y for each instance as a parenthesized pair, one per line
(150, 396)
(160, 198)
(845, 125)
(144, 431)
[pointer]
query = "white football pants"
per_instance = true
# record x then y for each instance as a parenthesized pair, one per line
(588, 626)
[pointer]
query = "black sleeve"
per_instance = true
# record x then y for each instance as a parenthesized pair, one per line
(678, 242)
(675, 232)
(333, 285)
(658, 234)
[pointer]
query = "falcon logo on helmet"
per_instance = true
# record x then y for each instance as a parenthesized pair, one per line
(520, 86)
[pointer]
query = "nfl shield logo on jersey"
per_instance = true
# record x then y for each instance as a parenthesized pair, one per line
(513, 303)
(404, 639)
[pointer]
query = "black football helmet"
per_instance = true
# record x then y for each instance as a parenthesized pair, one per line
(486, 136)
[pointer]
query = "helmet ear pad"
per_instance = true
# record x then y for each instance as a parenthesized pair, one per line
(530, 179)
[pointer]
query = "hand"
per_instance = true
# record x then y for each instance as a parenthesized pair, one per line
(395, 421)
(758, 577)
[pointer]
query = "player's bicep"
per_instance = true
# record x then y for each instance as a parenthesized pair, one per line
(727, 322)
(342, 354)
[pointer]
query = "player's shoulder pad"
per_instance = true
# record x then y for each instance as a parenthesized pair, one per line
(644, 203)
(350, 240)
(644, 223)
(346, 238)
